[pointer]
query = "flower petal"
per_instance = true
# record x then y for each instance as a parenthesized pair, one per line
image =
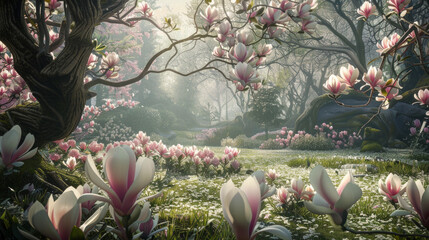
(66, 213)
(251, 188)
(95, 218)
(25, 146)
(240, 213)
(321, 182)
(276, 230)
(38, 218)
(10, 141)
(350, 195)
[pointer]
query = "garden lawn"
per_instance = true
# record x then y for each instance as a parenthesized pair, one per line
(191, 204)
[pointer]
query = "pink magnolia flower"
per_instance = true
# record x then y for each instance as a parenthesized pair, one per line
(275, 32)
(303, 10)
(388, 91)
(349, 75)
(53, 4)
(264, 49)
(82, 146)
(2, 48)
(374, 77)
(218, 52)
(283, 195)
(87, 189)
(241, 53)
(334, 85)
(92, 61)
(366, 10)
(273, 15)
(398, 6)
(74, 153)
(297, 188)
(144, 9)
(58, 218)
(241, 207)
(95, 147)
(71, 143)
(244, 72)
(110, 61)
(286, 5)
(126, 178)
(55, 157)
(417, 123)
(331, 201)
(70, 163)
(419, 199)
(422, 97)
(11, 154)
(272, 174)
(391, 188)
(211, 15)
(266, 191)
(308, 25)
(235, 164)
(224, 28)
(413, 131)
(244, 37)
(308, 193)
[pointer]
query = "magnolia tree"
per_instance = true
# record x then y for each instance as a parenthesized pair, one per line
(377, 82)
(49, 44)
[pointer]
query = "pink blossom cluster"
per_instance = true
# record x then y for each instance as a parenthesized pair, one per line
(341, 139)
(206, 134)
(420, 131)
(13, 89)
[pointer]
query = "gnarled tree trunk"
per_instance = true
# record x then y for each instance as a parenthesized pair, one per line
(56, 83)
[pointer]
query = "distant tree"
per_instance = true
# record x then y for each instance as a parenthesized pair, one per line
(265, 107)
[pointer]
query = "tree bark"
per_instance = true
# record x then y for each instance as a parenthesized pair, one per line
(56, 84)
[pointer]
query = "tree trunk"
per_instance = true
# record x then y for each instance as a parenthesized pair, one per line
(56, 84)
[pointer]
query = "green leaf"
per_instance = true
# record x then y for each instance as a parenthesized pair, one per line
(278, 41)
(4, 217)
(250, 5)
(240, 11)
(399, 213)
(76, 234)
(260, 11)
(208, 2)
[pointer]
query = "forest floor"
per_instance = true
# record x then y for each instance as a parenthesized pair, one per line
(191, 204)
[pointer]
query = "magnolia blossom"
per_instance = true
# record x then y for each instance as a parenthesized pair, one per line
(329, 200)
(303, 10)
(275, 32)
(398, 6)
(241, 207)
(11, 153)
(244, 37)
(266, 191)
(283, 195)
(388, 91)
(419, 199)
(297, 188)
(391, 188)
(70, 163)
(366, 10)
(224, 28)
(387, 43)
(241, 53)
(244, 72)
(218, 52)
(286, 5)
(110, 61)
(422, 97)
(334, 85)
(374, 77)
(211, 15)
(308, 25)
(349, 75)
(58, 218)
(92, 61)
(126, 178)
(273, 15)
(272, 174)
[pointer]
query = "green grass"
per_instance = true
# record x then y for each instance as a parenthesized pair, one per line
(192, 208)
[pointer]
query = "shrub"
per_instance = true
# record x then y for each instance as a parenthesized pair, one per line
(241, 141)
(228, 142)
(271, 144)
(309, 142)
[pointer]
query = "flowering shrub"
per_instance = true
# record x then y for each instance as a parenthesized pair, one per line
(326, 138)
(271, 144)
(419, 135)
